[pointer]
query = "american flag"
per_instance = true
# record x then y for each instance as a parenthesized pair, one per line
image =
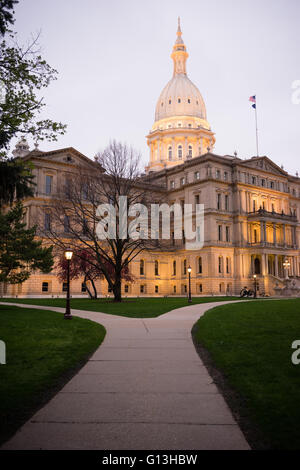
(253, 98)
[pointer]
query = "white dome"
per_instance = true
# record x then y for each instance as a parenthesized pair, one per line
(180, 97)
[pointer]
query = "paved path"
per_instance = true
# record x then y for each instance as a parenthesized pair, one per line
(144, 388)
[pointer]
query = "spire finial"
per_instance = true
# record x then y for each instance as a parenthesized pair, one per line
(178, 29)
(179, 54)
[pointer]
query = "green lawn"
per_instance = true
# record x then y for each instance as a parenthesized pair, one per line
(134, 307)
(251, 344)
(42, 351)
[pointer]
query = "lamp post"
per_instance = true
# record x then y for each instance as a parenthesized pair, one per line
(68, 256)
(190, 296)
(286, 264)
(255, 286)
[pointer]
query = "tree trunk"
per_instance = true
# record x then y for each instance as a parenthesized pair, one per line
(95, 290)
(89, 292)
(117, 289)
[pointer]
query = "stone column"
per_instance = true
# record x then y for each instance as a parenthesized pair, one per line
(263, 264)
(252, 264)
(185, 149)
(265, 231)
(274, 234)
(283, 228)
(173, 149)
(276, 265)
(262, 232)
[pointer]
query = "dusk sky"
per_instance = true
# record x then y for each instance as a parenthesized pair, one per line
(113, 59)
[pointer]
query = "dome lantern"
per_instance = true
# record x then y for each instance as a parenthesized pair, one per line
(180, 130)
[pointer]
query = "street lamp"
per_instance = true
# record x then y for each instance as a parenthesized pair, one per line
(286, 264)
(190, 296)
(68, 256)
(255, 285)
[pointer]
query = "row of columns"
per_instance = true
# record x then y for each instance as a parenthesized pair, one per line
(161, 155)
(263, 233)
(294, 269)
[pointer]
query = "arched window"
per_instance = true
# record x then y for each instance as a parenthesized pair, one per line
(156, 268)
(200, 265)
(190, 151)
(180, 152)
(170, 152)
(256, 266)
(227, 266)
(142, 267)
(220, 264)
(184, 266)
(174, 268)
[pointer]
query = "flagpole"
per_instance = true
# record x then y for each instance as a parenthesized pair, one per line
(256, 127)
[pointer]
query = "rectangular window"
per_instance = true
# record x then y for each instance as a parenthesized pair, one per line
(174, 289)
(142, 267)
(66, 224)
(126, 288)
(227, 265)
(182, 181)
(197, 200)
(64, 286)
(67, 187)
(197, 175)
(218, 201)
(227, 234)
(200, 288)
(45, 287)
(220, 233)
(142, 289)
(156, 289)
(218, 174)
(226, 203)
(174, 268)
(47, 222)
(83, 287)
(49, 184)
(225, 176)
(172, 184)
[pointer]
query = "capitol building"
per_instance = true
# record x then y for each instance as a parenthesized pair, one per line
(252, 206)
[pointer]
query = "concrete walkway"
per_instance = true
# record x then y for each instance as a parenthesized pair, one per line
(144, 388)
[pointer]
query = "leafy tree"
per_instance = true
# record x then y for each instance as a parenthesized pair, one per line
(16, 181)
(82, 264)
(6, 14)
(20, 253)
(23, 75)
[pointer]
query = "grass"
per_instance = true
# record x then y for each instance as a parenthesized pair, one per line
(133, 307)
(251, 344)
(42, 352)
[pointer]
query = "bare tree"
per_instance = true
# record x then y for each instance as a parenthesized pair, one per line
(75, 215)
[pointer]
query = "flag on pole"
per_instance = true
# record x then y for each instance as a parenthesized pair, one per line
(253, 100)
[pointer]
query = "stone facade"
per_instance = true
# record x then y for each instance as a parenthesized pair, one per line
(251, 206)
(251, 226)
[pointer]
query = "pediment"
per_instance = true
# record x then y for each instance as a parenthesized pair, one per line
(264, 164)
(69, 156)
